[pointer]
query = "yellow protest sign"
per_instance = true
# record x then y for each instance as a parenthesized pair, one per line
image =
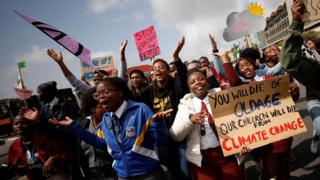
(255, 114)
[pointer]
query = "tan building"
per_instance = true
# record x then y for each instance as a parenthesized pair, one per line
(277, 26)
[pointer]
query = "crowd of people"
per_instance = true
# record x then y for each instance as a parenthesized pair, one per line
(130, 128)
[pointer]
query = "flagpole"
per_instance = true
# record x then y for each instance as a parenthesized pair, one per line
(21, 78)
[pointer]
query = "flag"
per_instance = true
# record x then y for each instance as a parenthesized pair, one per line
(20, 89)
(22, 64)
(62, 38)
(19, 83)
(23, 93)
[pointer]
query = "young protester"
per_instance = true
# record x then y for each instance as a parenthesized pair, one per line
(164, 93)
(95, 163)
(194, 64)
(54, 107)
(194, 121)
(130, 130)
(272, 63)
(210, 71)
(36, 155)
(313, 50)
(80, 86)
(173, 70)
(275, 156)
(305, 68)
(313, 97)
(137, 82)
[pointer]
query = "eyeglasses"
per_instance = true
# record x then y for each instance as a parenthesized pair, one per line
(96, 95)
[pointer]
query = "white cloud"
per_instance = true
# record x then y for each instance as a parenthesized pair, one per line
(101, 54)
(37, 55)
(39, 68)
(100, 6)
(195, 19)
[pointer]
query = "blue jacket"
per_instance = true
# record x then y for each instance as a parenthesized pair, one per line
(133, 150)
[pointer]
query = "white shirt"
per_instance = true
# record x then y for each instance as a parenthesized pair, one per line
(209, 140)
(120, 110)
(52, 103)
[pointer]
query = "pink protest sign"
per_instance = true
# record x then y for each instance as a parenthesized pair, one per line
(147, 43)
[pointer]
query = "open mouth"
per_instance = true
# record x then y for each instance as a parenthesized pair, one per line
(199, 88)
(158, 74)
(248, 74)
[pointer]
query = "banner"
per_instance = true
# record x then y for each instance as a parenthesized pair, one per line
(255, 114)
(105, 63)
(147, 43)
(62, 38)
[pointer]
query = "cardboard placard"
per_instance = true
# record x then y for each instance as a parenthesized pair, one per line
(312, 10)
(105, 63)
(147, 43)
(255, 114)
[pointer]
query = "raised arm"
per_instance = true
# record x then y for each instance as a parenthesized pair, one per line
(216, 59)
(58, 58)
(123, 62)
(231, 74)
(81, 133)
(182, 70)
(213, 44)
(76, 83)
(178, 49)
(245, 42)
(306, 71)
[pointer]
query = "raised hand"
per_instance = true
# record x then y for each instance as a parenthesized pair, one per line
(181, 42)
(223, 56)
(297, 9)
(162, 115)
(30, 114)
(178, 49)
(197, 118)
(66, 122)
(213, 44)
(294, 90)
(123, 46)
(55, 56)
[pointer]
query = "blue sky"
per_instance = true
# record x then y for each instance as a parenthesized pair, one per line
(101, 25)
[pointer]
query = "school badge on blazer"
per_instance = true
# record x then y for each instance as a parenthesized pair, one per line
(130, 131)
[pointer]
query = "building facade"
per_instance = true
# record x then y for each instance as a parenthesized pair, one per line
(277, 26)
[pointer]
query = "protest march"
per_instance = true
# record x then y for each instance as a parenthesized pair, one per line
(163, 118)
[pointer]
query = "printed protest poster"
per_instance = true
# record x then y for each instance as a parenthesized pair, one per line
(255, 114)
(147, 43)
(105, 63)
